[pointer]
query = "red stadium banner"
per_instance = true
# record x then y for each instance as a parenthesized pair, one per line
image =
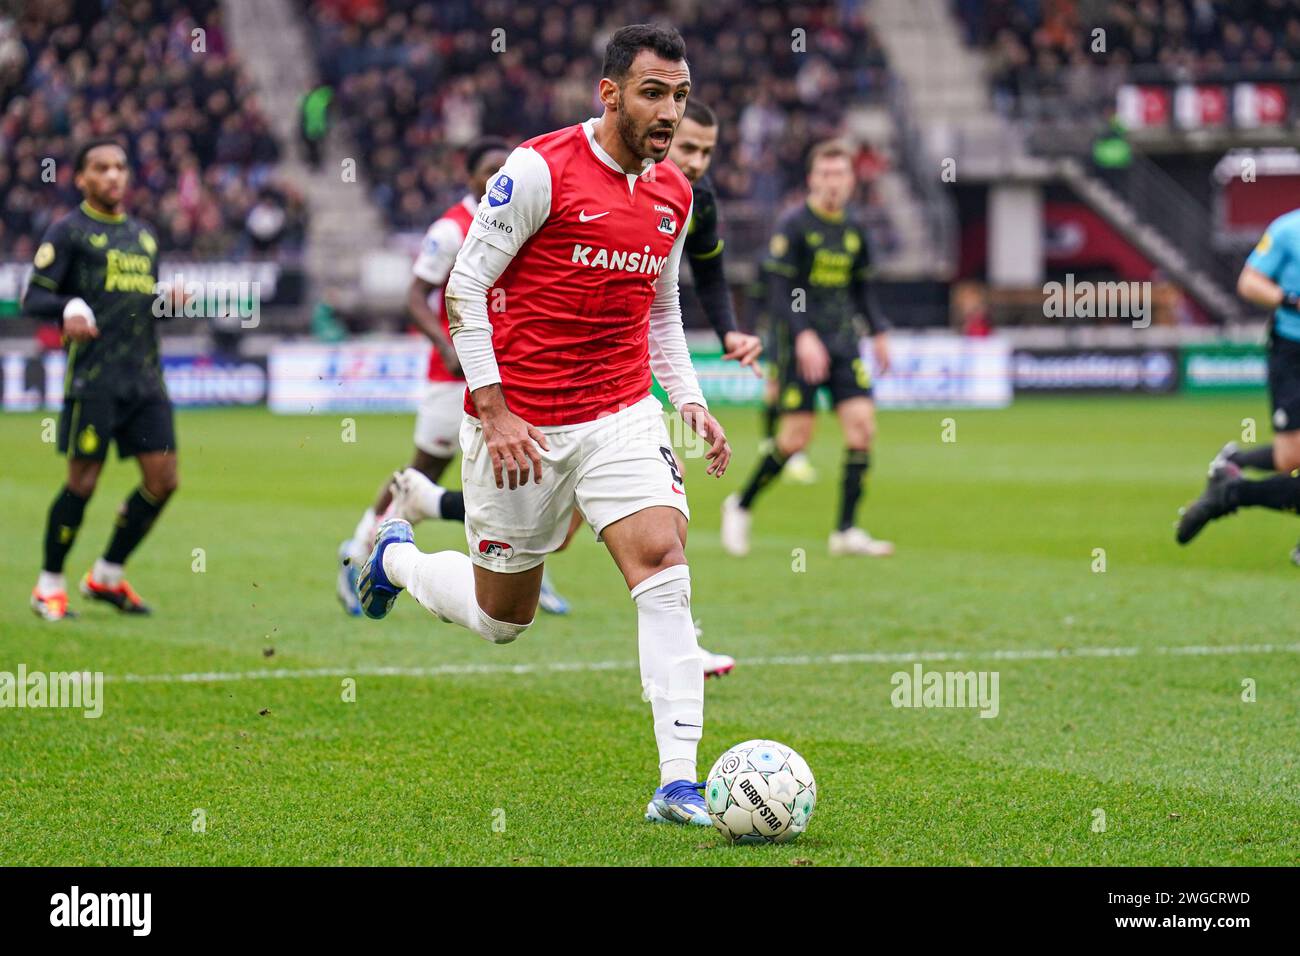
(1193, 106)
(1200, 106)
(1256, 105)
(1144, 107)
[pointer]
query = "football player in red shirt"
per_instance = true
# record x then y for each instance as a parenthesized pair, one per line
(562, 300)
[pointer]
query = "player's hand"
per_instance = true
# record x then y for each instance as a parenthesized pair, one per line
(811, 358)
(743, 348)
(880, 347)
(707, 427)
(79, 321)
(513, 444)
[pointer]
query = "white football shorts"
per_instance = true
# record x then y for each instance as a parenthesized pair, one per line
(438, 418)
(610, 468)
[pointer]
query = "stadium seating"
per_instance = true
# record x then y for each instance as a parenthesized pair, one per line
(417, 80)
(1043, 53)
(158, 74)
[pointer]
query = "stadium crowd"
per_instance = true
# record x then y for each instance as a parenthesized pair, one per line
(1047, 49)
(417, 80)
(201, 151)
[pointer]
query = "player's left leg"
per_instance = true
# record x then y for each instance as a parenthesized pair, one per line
(851, 391)
(858, 423)
(649, 549)
(148, 433)
(632, 491)
(106, 581)
(797, 400)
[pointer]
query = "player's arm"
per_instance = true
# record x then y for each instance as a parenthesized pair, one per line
(704, 251)
(670, 360)
(1257, 283)
(45, 298)
(864, 301)
(509, 213)
(715, 299)
(430, 271)
(786, 269)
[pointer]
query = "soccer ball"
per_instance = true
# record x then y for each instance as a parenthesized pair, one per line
(760, 792)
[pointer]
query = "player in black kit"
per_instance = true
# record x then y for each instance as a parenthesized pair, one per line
(692, 151)
(818, 267)
(96, 272)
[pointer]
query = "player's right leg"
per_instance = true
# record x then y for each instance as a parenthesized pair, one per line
(435, 437)
(1226, 490)
(411, 494)
(492, 591)
(792, 436)
(83, 433)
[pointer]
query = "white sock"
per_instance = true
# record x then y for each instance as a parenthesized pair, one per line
(49, 582)
(106, 573)
(363, 538)
(444, 583)
(672, 674)
(426, 495)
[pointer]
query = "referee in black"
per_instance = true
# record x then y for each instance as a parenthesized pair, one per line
(96, 272)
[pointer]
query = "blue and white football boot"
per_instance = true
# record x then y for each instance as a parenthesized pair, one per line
(679, 802)
(347, 581)
(550, 600)
(377, 593)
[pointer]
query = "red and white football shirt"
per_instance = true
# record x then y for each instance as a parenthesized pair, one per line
(437, 255)
(592, 247)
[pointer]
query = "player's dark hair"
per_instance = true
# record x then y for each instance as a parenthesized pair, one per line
(480, 148)
(630, 40)
(87, 146)
(697, 112)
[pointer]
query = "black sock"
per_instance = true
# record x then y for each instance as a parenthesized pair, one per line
(134, 519)
(61, 528)
(452, 507)
(1281, 493)
(1261, 457)
(771, 415)
(856, 463)
(767, 469)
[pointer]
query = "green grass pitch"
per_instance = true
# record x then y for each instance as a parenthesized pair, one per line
(541, 752)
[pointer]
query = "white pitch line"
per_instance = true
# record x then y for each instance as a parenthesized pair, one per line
(898, 657)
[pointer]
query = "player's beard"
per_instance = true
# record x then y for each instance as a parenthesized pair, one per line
(636, 143)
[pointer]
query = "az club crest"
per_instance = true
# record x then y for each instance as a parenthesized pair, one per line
(495, 549)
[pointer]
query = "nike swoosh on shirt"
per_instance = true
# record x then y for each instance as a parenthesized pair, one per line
(583, 217)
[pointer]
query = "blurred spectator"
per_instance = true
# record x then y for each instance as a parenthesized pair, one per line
(418, 79)
(157, 74)
(1043, 49)
(315, 122)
